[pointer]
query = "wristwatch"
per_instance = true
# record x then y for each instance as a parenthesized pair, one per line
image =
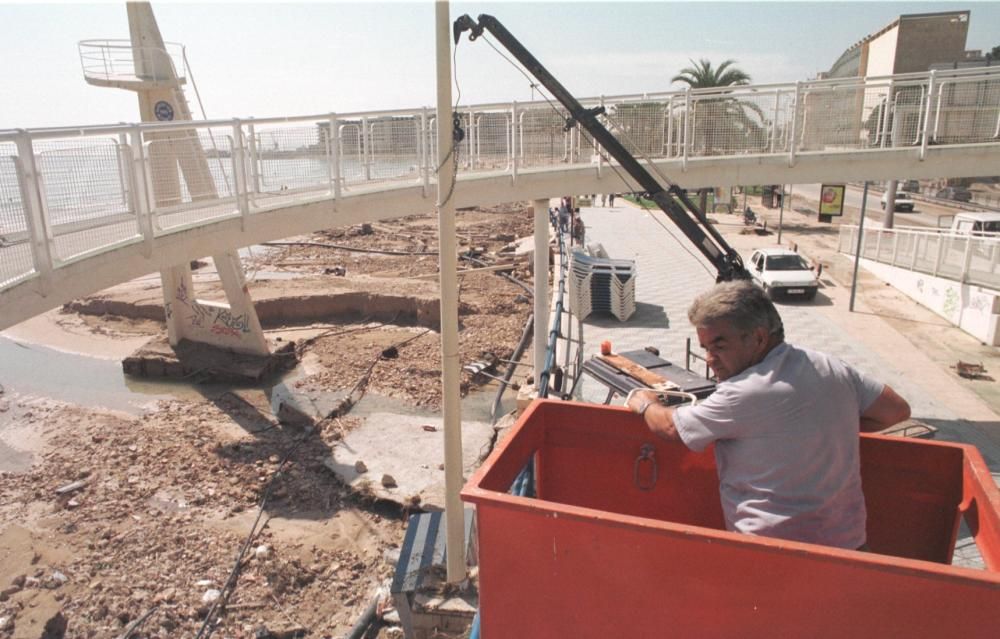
(642, 411)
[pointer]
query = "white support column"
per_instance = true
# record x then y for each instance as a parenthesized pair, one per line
(178, 299)
(450, 365)
(254, 159)
(541, 208)
(425, 152)
(242, 314)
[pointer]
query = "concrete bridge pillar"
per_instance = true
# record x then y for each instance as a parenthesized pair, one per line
(233, 326)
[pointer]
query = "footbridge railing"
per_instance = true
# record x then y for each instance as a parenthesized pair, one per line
(963, 258)
(67, 194)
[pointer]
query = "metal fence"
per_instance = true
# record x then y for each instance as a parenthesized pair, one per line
(964, 258)
(67, 194)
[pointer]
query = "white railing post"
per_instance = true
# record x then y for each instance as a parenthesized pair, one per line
(334, 137)
(940, 254)
(425, 155)
(895, 247)
(966, 259)
(367, 151)
(514, 146)
(254, 158)
(888, 108)
(774, 120)
(927, 115)
(123, 168)
(878, 245)
(794, 133)
(597, 147)
(39, 230)
(239, 174)
(916, 251)
(687, 128)
(670, 127)
(140, 191)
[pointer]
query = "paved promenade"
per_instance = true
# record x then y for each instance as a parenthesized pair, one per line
(670, 273)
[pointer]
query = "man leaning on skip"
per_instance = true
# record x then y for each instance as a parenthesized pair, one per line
(784, 420)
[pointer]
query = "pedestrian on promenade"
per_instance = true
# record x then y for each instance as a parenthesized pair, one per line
(611, 199)
(784, 420)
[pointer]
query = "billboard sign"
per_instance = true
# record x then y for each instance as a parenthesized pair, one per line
(831, 199)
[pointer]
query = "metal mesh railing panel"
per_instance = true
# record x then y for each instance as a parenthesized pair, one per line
(15, 249)
(727, 125)
(984, 265)
(291, 158)
(395, 148)
(845, 117)
(191, 176)
(966, 111)
(641, 127)
(492, 141)
(541, 139)
(87, 194)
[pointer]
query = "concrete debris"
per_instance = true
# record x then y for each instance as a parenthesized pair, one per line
(389, 481)
(72, 487)
(360, 468)
(211, 596)
(262, 552)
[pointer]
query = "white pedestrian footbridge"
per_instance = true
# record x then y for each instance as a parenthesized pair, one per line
(83, 208)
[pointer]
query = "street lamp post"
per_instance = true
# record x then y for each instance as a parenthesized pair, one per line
(857, 250)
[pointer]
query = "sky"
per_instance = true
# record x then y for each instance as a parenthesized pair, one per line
(273, 59)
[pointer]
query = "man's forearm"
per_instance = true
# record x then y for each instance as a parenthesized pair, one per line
(659, 418)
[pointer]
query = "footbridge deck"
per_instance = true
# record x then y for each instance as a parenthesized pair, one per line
(87, 207)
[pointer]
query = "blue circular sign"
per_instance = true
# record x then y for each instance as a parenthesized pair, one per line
(163, 111)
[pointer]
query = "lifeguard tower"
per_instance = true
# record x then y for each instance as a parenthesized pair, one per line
(180, 172)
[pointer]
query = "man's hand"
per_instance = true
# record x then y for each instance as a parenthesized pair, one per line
(659, 418)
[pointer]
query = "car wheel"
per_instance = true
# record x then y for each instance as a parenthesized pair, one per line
(811, 295)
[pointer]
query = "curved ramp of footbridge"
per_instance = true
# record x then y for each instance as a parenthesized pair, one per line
(85, 208)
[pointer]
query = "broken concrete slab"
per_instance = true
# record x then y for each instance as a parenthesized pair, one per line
(399, 446)
(295, 407)
(192, 360)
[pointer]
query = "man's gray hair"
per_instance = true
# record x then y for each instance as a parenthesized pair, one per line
(739, 302)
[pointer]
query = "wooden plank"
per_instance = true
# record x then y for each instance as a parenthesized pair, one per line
(630, 368)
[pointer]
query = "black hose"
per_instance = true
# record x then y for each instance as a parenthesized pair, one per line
(518, 352)
(365, 621)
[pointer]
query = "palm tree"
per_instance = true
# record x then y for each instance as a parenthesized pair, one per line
(728, 117)
(701, 75)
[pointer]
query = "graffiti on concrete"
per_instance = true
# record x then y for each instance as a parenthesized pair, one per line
(950, 305)
(239, 323)
(219, 329)
(181, 294)
(201, 315)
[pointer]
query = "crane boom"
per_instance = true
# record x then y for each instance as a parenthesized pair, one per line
(671, 199)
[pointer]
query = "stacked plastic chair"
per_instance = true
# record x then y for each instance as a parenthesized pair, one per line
(599, 284)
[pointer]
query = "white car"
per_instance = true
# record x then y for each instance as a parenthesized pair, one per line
(782, 273)
(903, 201)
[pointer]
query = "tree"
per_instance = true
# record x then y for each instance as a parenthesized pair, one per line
(722, 120)
(994, 53)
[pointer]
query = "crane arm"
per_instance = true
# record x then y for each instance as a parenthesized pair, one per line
(672, 200)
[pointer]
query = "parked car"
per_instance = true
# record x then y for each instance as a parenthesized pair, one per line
(957, 193)
(783, 273)
(903, 201)
(910, 186)
(979, 223)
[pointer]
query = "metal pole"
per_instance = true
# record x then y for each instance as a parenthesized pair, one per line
(541, 285)
(857, 251)
(781, 213)
(451, 372)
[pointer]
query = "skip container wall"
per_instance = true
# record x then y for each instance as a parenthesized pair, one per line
(621, 543)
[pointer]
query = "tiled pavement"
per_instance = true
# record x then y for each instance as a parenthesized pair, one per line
(670, 273)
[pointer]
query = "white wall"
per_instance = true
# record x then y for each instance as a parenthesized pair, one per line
(882, 53)
(972, 308)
